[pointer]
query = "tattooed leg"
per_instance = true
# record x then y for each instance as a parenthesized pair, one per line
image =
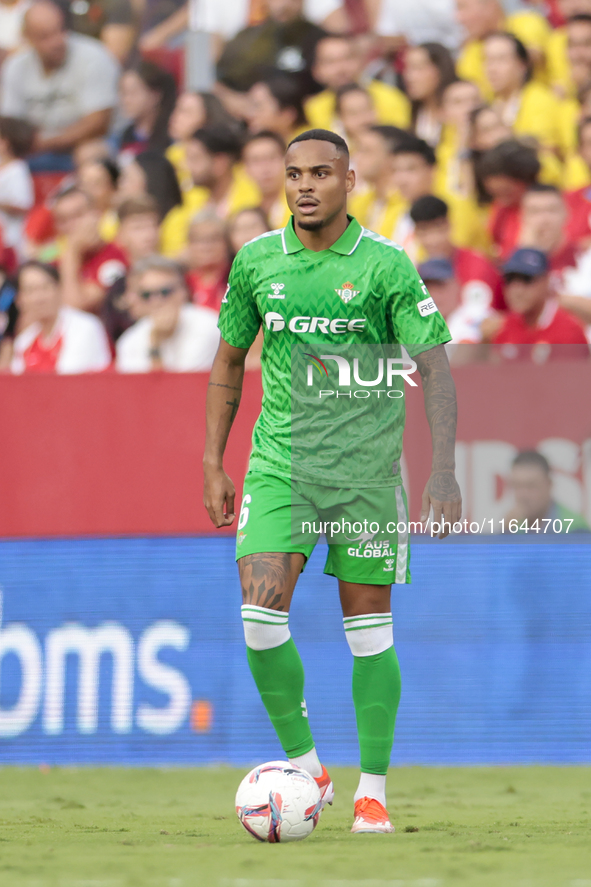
(268, 581)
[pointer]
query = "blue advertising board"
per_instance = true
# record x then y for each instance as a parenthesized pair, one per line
(130, 651)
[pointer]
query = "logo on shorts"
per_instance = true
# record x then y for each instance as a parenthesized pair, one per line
(241, 537)
(389, 564)
(347, 292)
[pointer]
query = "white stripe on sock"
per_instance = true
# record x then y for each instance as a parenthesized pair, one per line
(264, 629)
(370, 634)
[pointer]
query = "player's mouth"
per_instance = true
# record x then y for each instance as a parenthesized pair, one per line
(307, 205)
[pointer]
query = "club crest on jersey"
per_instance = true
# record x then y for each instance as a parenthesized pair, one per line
(347, 292)
(277, 288)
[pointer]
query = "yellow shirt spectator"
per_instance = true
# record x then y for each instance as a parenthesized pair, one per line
(531, 28)
(241, 194)
(391, 105)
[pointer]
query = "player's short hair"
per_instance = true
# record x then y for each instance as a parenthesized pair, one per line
(392, 135)
(321, 135)
(18, 133)
(532, 457)
(347, 89)
(510, 158)
(428, 209)
(159, 263)
(413, 145)
(140, 205)
(219, 139)
(266, 135)
(541, 188)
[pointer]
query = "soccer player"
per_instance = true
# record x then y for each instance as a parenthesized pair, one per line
(324, 283)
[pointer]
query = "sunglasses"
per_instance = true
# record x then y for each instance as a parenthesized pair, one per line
(163, 292)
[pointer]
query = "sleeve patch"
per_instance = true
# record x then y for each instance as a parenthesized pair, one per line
(426, 307)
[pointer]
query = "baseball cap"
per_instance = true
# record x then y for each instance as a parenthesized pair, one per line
(528, 262)
(436, 269)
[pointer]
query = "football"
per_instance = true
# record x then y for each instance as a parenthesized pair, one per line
(278, 802)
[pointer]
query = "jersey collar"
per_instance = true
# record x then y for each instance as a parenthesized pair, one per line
(345, 245)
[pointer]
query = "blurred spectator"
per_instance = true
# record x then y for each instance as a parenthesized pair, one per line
(543, 226)
(458, 101)
(212, 156)
(285, 40)
(428, 70)
(337, 63)
(579, 201)
(379, 204)
(479, 281)
(192, 111)
(535, 317)
(525, 105)
(480, 18)
(275, 104)
(64, 84)
(88, 266)
(12, 13)
(174, 335)
(151, 173)
(56, 338)
(417, 22)
(507, 171)
(245, 225)
(414, 177)
(148, 95)
(263, 157)
(531, 483)
(223, 19)
(16, 186)
(558, 50)
(138, 237)
(99, 180)
(355, 113)
(578, 35)
(463, 319)
(208, 258)
(113, 22)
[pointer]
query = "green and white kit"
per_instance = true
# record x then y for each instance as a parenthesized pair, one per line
(328, 441)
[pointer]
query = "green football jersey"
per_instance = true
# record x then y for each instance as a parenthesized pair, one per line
(333, 379)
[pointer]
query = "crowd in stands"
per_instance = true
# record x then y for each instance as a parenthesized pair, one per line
(124, 196)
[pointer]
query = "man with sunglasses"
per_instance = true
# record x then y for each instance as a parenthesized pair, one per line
(173, 335)
(536, 325)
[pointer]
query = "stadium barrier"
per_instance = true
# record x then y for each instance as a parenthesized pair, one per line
(128, 648)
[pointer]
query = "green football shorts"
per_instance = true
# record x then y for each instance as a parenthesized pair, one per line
(366, 530)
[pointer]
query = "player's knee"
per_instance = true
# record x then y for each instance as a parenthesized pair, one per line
(370, 634)
(264, 629)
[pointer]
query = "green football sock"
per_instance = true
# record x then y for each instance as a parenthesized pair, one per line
(376, 687)
(279, 676)
(376, 694)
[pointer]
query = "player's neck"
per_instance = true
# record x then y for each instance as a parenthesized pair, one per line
(324, 237)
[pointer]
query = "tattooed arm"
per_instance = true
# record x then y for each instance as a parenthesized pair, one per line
(442, 491)
(223, 399)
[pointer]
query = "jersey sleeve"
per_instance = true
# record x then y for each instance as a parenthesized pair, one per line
(239, 320)
(416, 320)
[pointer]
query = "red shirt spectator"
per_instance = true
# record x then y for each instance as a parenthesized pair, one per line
(579, 215)
(209, 260)
(534, 317)
(478, 277)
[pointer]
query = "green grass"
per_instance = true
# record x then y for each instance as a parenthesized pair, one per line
(479, 827)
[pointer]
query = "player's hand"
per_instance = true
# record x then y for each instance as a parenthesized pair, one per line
(441, 493)
(218, 496)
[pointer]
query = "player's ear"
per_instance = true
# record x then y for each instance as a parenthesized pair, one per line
(350, 180)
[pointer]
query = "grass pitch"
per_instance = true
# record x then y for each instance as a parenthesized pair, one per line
(479, 827)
